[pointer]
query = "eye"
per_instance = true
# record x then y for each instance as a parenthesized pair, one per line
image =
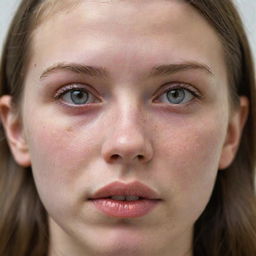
(178, 95)
(74, 95)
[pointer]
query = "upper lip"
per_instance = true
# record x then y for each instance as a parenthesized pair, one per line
(117, 188)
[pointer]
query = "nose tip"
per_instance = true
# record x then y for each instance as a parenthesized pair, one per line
(127, 149)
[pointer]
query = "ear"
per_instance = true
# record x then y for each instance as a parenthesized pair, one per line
(235, 128)
(14, 133)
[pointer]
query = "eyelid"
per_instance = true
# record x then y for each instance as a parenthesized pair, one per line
(64, 90)
(165, 88)
(179, 85)
(69, 87)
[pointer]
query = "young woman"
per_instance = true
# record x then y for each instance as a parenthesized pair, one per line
(128, 128)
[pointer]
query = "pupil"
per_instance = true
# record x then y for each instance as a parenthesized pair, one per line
(176, 96)
(175, 93)
(79, 97)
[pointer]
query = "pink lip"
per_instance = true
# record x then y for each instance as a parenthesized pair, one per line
(149, 199)
(135, 188)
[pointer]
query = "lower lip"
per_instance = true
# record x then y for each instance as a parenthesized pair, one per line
(125, 209)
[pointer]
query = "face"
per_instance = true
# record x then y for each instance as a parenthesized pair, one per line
(127, 91)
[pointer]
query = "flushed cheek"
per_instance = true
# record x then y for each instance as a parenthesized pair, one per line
(190, 166)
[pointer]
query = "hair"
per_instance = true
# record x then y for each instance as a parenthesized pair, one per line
(228, 224)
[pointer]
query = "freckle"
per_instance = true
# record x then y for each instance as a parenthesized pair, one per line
(69, 129)
(35, 65)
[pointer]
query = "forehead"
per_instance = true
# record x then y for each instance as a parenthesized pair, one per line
(159, 10)
(160, 29)
(137, 14)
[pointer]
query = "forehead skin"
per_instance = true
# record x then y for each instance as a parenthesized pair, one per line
(129, 23)
(50, 7)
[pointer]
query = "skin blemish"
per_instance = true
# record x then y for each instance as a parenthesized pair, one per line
(69, 129)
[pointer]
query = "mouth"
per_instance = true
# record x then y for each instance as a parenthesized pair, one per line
(125, 200)
(122, 198)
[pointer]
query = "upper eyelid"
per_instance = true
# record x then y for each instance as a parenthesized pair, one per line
(69, 87)
(164, 88)
(61, 92)
(179, 85)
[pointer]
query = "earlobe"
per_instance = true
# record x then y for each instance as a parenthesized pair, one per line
(234, 132)
(14, 132)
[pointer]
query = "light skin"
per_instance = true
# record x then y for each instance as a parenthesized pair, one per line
(129, 130)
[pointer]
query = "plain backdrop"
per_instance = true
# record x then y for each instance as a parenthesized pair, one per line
(247, 9)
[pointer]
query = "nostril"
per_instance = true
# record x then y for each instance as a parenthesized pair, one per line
(114, 157)
(141, 157)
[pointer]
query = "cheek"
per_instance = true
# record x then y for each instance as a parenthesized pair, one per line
(188, 159)
(195, 149)
(60, 156)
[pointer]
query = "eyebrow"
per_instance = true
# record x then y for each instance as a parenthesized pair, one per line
(174, 68)
(101, 72)
(76, 68)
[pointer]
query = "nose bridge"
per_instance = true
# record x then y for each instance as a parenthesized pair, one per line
(127, 141)
(129, 113)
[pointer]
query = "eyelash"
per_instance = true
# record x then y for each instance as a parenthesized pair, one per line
(165, 89)
(177, 85)
(73, 87)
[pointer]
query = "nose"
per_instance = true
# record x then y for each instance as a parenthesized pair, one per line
(127, 142)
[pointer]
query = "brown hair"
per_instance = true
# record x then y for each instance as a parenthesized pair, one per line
(227, 225)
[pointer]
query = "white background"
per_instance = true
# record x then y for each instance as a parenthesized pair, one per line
(247, 9)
